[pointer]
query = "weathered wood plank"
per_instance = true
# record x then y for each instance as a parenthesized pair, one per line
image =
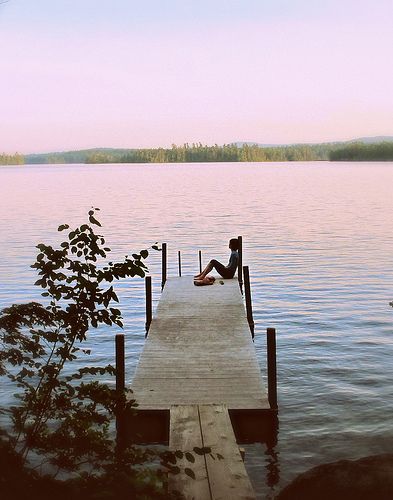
(185, 434)
(228, 478)
(199, 350)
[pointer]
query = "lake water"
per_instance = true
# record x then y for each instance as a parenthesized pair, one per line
(318, 238)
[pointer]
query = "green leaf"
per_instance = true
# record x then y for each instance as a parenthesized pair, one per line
(174, 470)
(189, 472)
(202, 451)
(190, 457)
(170, 458)
(94, 221)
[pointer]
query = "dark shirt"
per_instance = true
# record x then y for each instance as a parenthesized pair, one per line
(233, 260)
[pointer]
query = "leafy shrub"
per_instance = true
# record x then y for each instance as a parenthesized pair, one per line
(61, 426)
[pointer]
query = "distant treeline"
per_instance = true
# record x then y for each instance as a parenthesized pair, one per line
(189, 153)
(98, 155)
(15, 159)
(193, 153)
(364, 152)
(227, 153)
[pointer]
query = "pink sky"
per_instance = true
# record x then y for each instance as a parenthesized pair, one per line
(128, 74)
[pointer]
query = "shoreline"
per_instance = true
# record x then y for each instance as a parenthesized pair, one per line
(194, 163)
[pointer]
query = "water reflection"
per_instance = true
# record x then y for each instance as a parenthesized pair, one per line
(318, 240)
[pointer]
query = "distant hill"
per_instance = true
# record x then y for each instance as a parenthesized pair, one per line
(374, 140)
(365, 140)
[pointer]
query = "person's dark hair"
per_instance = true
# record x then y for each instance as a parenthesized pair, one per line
(234, 244)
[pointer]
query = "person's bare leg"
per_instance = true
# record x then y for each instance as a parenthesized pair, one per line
(205, 272)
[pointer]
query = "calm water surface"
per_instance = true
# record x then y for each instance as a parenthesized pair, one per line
(318, 239)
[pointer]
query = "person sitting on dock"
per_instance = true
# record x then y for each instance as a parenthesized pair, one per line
(226, 272)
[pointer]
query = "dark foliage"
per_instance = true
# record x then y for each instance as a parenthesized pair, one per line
(364, 152)
(62, 424)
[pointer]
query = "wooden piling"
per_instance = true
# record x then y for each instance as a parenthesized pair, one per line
(179, 255)
(120, 387)
(164, 265)
(272, 368)
(240, 264)
(247, 292)
(200, 261)
(149, 303)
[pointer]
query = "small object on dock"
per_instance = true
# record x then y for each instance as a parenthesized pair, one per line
(207, 280)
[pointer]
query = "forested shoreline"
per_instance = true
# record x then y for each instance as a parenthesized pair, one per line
(199, 153)
(364, 152)
(189, 153)
(15, 159)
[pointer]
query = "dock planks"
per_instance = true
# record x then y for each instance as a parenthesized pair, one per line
(199, 350)
(185, 434)
(220, 475)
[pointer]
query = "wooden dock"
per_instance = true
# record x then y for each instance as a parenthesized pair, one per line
(219, 474)
(198, 377)
(199, 350)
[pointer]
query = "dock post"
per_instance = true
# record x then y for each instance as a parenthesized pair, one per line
(120, 387)
(149, 303)
(163, 272)
(179, 254)
(272, 368)
(247, 292)
(200, 261)
(240, 264)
